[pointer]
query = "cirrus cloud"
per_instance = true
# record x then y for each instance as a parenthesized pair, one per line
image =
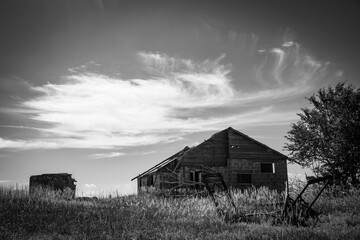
(180, 96)
(106, 155)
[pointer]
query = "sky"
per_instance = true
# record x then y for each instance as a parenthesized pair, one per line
(105, 89)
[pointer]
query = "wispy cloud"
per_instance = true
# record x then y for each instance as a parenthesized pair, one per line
(106, 155)
(179, 96)
(290, 67)
(96, 111)
(28, 144)
(146, 153)
(89, 185)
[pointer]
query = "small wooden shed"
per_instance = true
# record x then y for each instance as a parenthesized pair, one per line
(242, 161)
(53, 181)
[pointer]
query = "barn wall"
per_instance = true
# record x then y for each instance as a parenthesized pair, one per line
(241, 147)
(246, 156)
(212, 152)
(219, 169)
(242, 156)
(168, 179)
(230, 153)
(166, 173)
(161, 179)
(142, 182)
(274, 180)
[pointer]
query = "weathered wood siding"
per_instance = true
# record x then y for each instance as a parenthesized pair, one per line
(161, 178)
(212, 152)
(246, 157)
(241, 147)
(275, 180)
(232, 154)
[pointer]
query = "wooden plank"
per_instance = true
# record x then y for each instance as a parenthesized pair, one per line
(202, 156)
(252, 152)
(233, 133)
(207, 159)
(208, 164)
(234, 153)
(207, 155)
(243, 142)
(246, 144)
(222, 161)
(248, 149)
(209, 150)
(256, 157)
(210, 145)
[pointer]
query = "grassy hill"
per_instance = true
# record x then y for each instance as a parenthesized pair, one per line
(147, 216)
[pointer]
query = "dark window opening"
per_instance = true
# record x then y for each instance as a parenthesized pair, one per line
(267, 168)
(244, 178)
(195, 176)
(192, 176)
(150, 181)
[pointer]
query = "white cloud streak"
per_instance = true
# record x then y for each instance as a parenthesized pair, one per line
(89, 185)
(96, 111)
(4, 181)
(106, 155)
(28, 144)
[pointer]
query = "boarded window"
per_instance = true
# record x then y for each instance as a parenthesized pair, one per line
(267, 167)
(244, 178)
(150, 181)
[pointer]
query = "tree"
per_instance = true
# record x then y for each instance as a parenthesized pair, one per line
(327, 136)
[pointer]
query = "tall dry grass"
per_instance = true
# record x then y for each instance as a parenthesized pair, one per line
(49, 215)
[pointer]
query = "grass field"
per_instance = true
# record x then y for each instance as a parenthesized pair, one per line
(147, 216)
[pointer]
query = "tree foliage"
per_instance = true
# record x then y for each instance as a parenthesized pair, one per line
(327, 136)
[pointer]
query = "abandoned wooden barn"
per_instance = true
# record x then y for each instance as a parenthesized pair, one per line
(242, 161)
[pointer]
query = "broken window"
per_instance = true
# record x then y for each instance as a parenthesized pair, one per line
(150, 181)
(267, 168)
(244, 178)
